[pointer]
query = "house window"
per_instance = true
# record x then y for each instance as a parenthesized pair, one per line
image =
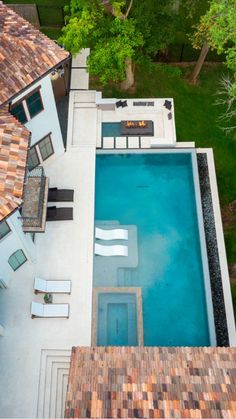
(17, 259)
(33, 158)
(19, 112)
(4, 229)
(45, 147)
(34, 103)
(39, 152)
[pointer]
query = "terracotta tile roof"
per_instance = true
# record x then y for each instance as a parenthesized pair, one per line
(25, 54)
(150, 382)
(14, 139)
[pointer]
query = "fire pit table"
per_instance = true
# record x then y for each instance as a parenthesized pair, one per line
(130, 128)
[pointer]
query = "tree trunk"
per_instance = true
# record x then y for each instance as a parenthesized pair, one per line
(194, 76)
(129, 80)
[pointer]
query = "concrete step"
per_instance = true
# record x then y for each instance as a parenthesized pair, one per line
(85, 105)
(57, 387)
(54, 369)
(53, 362)
(61, 392)
(88, 96)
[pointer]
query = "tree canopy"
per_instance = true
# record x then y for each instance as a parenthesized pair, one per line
(118, 32)
(217, 28)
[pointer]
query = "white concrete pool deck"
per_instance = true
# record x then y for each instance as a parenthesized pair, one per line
(88, 110)
(64, 251)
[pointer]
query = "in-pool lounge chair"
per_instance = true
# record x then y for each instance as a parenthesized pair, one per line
(115, 250)
(60, 195)
(59, 214)
(52, 286)
(49, 310)
(111, 234)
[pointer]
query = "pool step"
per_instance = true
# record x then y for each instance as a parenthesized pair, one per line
(100, 223)
(126, 277)
(54, 370)
(110, 143)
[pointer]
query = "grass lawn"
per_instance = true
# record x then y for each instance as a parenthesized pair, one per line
(196, 120)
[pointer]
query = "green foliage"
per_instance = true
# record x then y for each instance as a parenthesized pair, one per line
(193, 9)
(157, 21)
(227, 97)
(108, 56)
(114, 38)
(233, 290)
(218, 28)
(118, 7)
(230, 237)
(189, 14)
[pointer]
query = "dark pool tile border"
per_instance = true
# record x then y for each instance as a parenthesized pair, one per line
(222, 337)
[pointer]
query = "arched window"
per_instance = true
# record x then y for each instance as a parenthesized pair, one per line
(17, 259)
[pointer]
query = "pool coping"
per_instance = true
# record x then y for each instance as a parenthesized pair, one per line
(118, 290)
(217, 220)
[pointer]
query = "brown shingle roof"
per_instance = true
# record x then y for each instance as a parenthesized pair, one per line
(151, 382)
(14, 139)
(25, 54)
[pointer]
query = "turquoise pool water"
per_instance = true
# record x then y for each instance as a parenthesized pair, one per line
(117, 319)
(156, 193)
(111, 129)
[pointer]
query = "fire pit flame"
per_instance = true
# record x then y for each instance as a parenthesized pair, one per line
(136, 124)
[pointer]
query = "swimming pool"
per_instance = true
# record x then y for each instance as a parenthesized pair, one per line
(117, 319)
(157, 193)
(111, 129)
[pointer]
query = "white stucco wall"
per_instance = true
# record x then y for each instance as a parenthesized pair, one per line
(15, 240)
(46, 121)
(40, 125)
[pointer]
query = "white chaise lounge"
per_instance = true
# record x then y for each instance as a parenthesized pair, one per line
(52, 286)
(49, 310)
(111, 234)
(115, 250)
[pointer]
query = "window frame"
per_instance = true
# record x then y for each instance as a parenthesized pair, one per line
(38, 151)
(14, 105)
(37, 90)
(23, 102)
(51, 143)
(14, 254)
(37, 155)
(8, 232)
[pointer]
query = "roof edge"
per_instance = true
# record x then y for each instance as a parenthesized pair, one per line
(36, 80)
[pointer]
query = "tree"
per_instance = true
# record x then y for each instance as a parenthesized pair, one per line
(217, 30)
(119, 34)
(227, 97)
(198, 66)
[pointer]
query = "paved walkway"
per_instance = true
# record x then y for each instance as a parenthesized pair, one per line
(79, 73)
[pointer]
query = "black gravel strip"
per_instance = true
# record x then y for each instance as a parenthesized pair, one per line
(222, 337)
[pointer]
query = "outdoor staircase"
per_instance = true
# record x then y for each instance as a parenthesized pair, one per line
(54, 370)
